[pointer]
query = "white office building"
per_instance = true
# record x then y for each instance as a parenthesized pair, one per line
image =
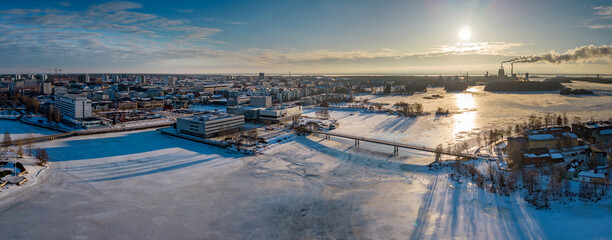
(73, 106)
(280, 114)
(210, 125)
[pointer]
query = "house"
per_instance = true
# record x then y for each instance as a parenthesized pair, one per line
(593, 177)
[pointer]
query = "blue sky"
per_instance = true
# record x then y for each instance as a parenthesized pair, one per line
(315, 36)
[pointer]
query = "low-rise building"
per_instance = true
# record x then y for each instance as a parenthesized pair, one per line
(552, 140)
(210, 125)
(594, 131)
(249, 113)
(593, 177)
(281, 114)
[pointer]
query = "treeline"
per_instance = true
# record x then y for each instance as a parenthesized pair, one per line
(540, 187)
(409, 109)
(31, 103)
(569, 91)
(407, 88)
(514, 86)
(584, 79)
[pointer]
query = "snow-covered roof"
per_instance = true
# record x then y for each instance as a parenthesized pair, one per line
(570, 135)
(533, 155)
(556, 155)
(591, 174)
(605, 132)
(541, 137)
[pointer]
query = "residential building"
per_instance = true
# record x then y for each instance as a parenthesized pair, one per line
(594, 131)
(550, 140)
(593, 177)
(261, 101)
(46, 88)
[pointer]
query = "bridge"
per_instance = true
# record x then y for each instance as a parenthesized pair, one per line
(396, 146)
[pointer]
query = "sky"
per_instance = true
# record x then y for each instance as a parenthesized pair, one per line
(301, 37)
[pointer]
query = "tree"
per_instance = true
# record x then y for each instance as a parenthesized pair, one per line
(19, 148)
(7, 137)
(439, 151)
(30, 136)
(530, 181)
(322, 113)
(252, 135)
(387, 89)
(509, 131)
(42, 156)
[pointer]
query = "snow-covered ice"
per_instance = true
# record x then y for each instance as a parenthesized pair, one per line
(144, 184)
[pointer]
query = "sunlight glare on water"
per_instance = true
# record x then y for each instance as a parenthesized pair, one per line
(465, 101)
(464, 121)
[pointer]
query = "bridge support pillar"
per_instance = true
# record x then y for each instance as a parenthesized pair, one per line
(395, 150)
(356, 143)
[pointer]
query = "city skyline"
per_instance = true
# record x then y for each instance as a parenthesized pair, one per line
(329, 37)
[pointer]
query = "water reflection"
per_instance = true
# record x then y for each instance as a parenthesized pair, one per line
(466, 120)
(464, 101)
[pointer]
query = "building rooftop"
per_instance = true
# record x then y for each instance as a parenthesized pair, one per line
(541, 137)
(605, 132)
(74, 97)
(209, 117)
(597, 124)
(591, 174)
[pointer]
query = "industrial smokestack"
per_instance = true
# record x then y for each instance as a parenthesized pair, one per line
(585, 53)
(512, 69)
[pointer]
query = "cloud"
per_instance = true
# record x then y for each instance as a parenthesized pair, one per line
(486, 48)
(604, 11)
(115, 6)
(210, 19)
(118, 33)
(63, 4)
(181, 10)
(20, 11)
(604, 14)
(600, 26)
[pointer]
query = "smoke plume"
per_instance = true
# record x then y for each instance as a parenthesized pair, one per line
(585, 53)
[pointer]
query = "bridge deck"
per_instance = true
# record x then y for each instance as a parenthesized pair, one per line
(394, 144)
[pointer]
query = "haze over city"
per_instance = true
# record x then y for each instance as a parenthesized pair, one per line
(303, 37)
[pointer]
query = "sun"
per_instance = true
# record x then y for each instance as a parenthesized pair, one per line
(465, 33)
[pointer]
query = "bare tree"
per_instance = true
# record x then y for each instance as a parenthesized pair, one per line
(42, 156)
(530, 181)
(439, 150)
(29, 137)
(322, 113)
(252, 135)
(7, 137)
(20, 151)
